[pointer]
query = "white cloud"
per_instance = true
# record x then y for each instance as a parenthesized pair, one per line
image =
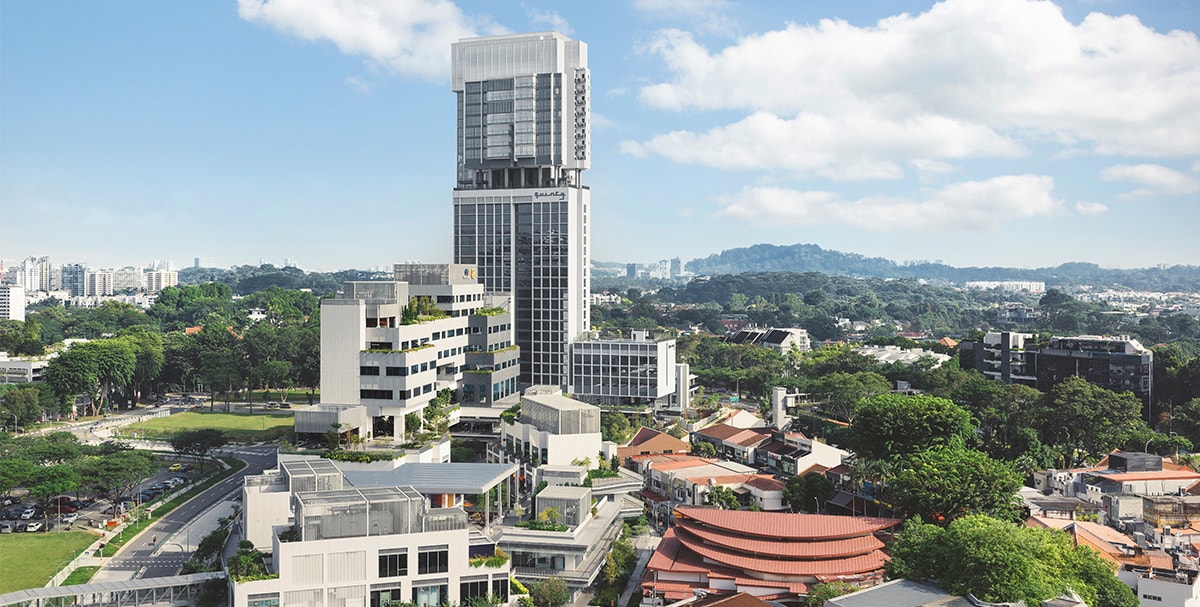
(968, 205)
(358, 84)
(847, 146)
(986, 71)
(1090, 209)
(1157, 179)
(410, 37)
(711, 16)
(1196, 167)
(550, 18)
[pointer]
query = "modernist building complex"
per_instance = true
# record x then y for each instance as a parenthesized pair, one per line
(1120, 364)
(552, 429)
(632, 371)
(382, 360)
(335, 538)
(520, 206)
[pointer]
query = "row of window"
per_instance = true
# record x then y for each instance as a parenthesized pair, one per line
(394, 563)
(392, 394)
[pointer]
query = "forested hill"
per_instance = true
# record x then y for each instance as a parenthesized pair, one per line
(812, 258)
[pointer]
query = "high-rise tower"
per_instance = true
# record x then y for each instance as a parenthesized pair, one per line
(520, 206)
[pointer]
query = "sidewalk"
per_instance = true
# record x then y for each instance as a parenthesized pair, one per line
(646, 545)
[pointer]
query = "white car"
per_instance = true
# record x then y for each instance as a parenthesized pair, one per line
(28, 513)
(33, 526)
(68, 518)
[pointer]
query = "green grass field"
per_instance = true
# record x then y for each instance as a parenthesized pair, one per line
(29, 560)
(81, 575)
(237, 426)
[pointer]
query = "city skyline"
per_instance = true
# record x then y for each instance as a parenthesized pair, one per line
(1008, 133)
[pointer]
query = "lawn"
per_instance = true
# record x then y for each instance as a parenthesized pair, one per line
(239, 427)
(82, 575)
(29, 560)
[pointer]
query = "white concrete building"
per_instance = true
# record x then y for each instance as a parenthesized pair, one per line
(626, 371)
(12, 302)
(521, 211)
(157, 280)
(97, 283)
(333, 539)
(552, 429)
(128, 278)
(371, 357)
(21, 369)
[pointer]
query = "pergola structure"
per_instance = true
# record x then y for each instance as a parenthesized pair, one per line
(147, 592)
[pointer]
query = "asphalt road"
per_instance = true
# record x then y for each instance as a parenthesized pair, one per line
(138, 554)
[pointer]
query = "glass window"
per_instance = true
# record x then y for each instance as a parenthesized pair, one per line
(433, 561)
(386, 598)
(393, 564)
(368, 370)
(430, 596)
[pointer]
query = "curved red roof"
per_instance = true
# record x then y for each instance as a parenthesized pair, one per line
(782, 548)
(837, 566)
(776, 526)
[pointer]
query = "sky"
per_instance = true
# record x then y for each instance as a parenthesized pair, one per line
(976, 132)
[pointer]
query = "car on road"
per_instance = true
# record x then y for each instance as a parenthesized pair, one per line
(68, 518)
(285, 405)
(175, 467)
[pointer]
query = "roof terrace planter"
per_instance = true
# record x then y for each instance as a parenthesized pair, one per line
(490, 311)
(405, 351)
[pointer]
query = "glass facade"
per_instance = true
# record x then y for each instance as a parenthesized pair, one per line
(520, 211)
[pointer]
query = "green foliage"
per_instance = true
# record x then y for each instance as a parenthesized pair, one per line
(615, 427)
(1087, 421)
(516, 587)
(947, 483)
(722, 497)
(998, 561)
(198, 442)
(704, 449)
(891, 425)
(510, 415)
(806, 493)
(361, 457)
(818, 594)
(498, 558)
(550, 592)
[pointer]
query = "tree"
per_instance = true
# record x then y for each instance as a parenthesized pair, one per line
(615, 427)
(14, 472)
(947, 483)
(115, 362)
(71, 373)
(891, 425)
(704, 449)
(723, 497)
(820, 593)
(550, 592)
(148, 356)
(805, 493)
(1085, 421)
(115, 474)
(198, 442)
(53, 481)
(1003, 562)
(841, 391)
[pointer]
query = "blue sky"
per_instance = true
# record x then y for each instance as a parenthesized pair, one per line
(977, 132)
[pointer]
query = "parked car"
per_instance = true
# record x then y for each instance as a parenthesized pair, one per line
(285, 405)
(179, 480)
(34, 526)
(175, 467)
(68, 518)
(28, 513)
(11, 499)
(8, 527)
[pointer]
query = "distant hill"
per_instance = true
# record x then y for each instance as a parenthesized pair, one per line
(812, 258)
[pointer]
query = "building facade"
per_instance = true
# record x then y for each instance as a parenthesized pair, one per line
(375, 356)
(12, 302)
(521, 211)
(632, 371)
(552, 429)
(73, 279)
(1119, 364)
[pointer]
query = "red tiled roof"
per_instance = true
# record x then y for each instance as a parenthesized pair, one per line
(644, 434)
(749, 436)
(647, 494)
(1156, 475)
(719, 431)
(766, 483)
(782, 549)
(838, 566)
(681, 461)
(787, 526)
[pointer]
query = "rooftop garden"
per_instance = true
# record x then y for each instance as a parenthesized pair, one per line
(490, 311)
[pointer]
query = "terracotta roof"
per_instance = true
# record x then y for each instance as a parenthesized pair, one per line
(1156, 475)
(749, 437)
(683, 462)
(781, 549)
(740, 599)
(835, 566)
(643, 434)
(787, 526)
(766, 483)
(719, 431)
(652, 496)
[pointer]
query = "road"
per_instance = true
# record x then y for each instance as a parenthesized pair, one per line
(144, 558)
